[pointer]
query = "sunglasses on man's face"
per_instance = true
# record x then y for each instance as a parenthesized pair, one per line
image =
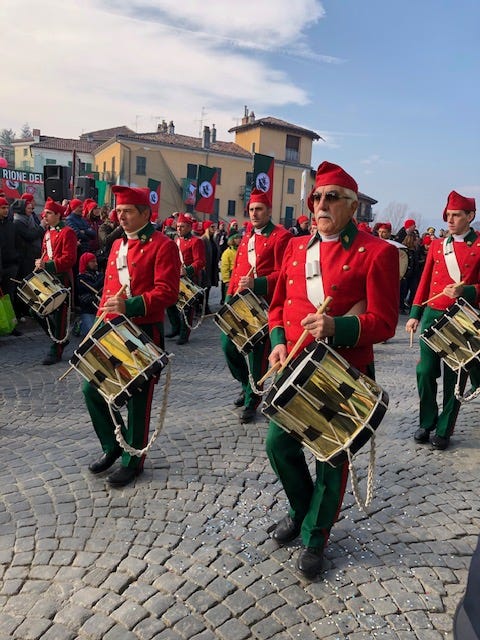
(330, 196)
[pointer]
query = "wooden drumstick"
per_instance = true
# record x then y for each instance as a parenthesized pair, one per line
(250, 272)
(411, 338)
(296, 346)
(440, 294)
(95, 325)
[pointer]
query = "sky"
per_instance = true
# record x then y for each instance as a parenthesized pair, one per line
(392, 87)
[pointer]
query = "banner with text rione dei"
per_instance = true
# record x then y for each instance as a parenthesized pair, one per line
(206, 184)
(263, 167)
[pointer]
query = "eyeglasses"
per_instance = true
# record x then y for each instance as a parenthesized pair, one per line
(330, 196)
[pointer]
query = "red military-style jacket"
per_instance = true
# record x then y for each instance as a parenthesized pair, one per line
(154, 268)
(270, 246)
(64, 249)
(435, 276)
(357, 270)
(193, 254)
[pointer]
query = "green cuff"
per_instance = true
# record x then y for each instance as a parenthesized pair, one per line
(277, 336)
(260, 286)
(416, 312)
(50, 267)
(190, 271)
(469, 293)
(347, 331)
(135, 307)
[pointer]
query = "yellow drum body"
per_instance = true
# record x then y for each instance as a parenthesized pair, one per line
(244, 320)
(326, 404)
(42, 292)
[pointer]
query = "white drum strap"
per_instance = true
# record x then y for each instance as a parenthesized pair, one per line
(451, 260)
(363, 504)
(180, 251)
(48, 244)
(161, 420)
(313, 275)
(252, 256)
(122, 268)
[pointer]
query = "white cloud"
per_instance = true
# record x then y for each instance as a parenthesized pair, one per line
(84, 65)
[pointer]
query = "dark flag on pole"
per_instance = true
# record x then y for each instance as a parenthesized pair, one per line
(154, 186)
(206, 184)
(263, 173)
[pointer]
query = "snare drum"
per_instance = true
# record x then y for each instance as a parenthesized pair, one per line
(456, 336)
(43, 292)
(326, 404)
(117, 359)
(189, 294)
(244, 320)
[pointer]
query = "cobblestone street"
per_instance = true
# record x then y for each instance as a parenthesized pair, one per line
(185, 552)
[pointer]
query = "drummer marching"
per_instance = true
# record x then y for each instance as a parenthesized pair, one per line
(360, 273)
(257, 265)
(144, 263)
(452, 270)
(192, 256)
(59, 255)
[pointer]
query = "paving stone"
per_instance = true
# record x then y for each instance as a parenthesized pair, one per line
(32, 629)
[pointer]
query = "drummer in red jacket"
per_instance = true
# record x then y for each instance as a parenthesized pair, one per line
(147, 264)
(452, 268)
(360, 273)
(256, 267)
(192, 256)
(59, 255)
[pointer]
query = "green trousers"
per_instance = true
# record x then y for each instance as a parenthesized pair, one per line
(177, 320)
(429, 369)
(57, 321)
(315, 505)
(237, 364)
(135, 432)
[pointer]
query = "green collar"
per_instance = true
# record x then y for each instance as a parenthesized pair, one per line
(267, 229)
(346, 236)
(146, 233)
(59, 226)
(469, 238)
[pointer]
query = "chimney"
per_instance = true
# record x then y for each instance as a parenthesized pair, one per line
(36, 135)
(245, 115)
(251, 118)
(206, 138)
(171, 127)
(214, 134)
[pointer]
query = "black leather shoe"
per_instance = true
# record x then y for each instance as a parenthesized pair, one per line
(51, 359)
(310, 562)
(240, 400)
(172, 334)
(440, 442)
(286, 530)
(16, 332)
(182, 341)
(104, 462)
(123, 476)
(248, 415)
(421, 435)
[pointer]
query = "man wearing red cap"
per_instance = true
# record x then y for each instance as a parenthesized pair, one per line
(301, 226)
(192, 256)
(452, 268)
(144, 262)
(77, 222)
(356, 269)
(257, 265)
(409, 228)
(59, 254)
